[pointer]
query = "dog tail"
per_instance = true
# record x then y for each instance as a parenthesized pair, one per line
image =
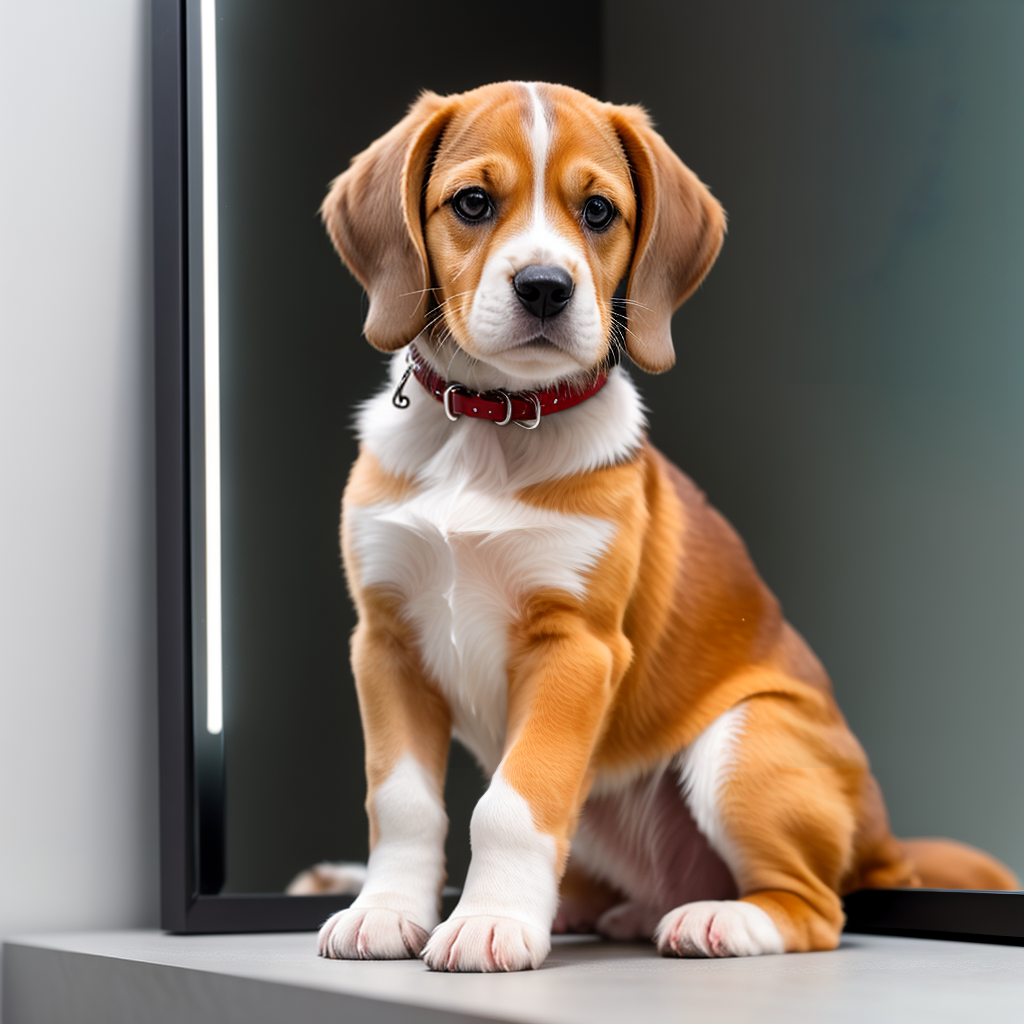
(948, 864)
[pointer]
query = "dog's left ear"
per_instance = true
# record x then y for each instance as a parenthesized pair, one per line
(372, 214)
(680, 230)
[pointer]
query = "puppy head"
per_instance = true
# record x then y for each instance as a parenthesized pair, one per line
(501, 221)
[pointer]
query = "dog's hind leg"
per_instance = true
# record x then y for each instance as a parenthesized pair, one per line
(776, 784)
(407, 729)
(582, 900)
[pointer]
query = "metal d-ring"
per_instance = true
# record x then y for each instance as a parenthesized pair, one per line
(453, 416)
(532, 396)
(508, 410)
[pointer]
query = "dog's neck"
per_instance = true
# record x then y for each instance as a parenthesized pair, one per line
(419, 441)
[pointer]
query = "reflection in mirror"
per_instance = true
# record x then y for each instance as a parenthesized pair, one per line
(847, 388)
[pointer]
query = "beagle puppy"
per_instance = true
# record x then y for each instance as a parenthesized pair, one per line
(665, 755)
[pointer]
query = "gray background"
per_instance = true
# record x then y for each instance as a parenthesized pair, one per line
(850, 379)
(847, 392)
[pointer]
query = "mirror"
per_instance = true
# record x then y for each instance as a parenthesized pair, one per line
(847, 391)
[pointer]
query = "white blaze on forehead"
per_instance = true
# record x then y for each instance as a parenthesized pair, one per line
(497, 322)
(540, 137)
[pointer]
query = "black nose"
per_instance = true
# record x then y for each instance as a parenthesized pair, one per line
(544, 291)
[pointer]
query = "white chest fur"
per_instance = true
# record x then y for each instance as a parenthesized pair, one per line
(462, 552)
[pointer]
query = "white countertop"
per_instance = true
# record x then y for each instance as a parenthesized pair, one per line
(147, 975)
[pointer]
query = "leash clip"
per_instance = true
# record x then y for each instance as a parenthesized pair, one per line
(399, 399)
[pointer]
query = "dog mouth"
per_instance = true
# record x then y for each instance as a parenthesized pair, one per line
(540, 345)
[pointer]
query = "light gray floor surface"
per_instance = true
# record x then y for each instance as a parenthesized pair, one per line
(119, 977)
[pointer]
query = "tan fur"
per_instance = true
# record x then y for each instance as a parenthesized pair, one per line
(676, 627)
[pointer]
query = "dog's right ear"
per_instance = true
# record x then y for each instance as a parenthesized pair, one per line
(372, 214)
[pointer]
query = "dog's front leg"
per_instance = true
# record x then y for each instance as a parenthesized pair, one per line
(407, 729)
(559, 691)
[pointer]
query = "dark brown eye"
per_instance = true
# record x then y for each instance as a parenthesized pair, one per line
(472, 205)
(598, 213)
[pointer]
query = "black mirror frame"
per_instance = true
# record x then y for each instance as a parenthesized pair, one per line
(929, 913)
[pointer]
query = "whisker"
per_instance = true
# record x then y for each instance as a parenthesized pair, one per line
(638, 305)
(455, 352)
(456, 296)
(466, 264)
(417, 291)
(621, 324)
(628, 331)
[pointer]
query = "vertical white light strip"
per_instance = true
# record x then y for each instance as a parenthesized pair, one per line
(211, 372)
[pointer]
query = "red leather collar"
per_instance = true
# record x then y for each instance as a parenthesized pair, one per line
(524, 408)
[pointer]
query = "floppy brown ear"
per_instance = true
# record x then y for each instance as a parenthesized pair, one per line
(372, 214)
(680, 230)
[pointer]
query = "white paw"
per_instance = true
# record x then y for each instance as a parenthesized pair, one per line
(627, 922)
(366, 934)
(328, 878)
(717, 928)
(484, 943)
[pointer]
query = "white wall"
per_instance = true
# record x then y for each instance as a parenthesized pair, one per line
(78, 794)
